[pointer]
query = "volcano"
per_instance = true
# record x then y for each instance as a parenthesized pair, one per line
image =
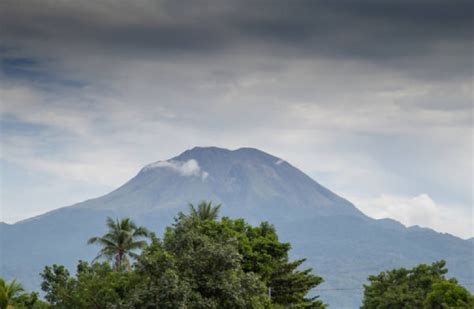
(341, 244)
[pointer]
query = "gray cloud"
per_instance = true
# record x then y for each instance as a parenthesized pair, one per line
(426, 39)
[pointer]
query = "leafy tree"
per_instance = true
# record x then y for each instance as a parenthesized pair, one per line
(30, 301)
(211, 265)
(202, 262)
(204, 211)
(100, 287)
(448, 294)
(263, 254)
(259, 252)
(94, 286)
(420, 286)
(119, 243)
(58, 286)
(160, 284)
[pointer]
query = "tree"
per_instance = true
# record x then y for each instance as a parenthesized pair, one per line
(58, 286)
(256, 249)
(201, 262)
(448, 294)
(119, 243)
(12, 296)
(210, 264)
(418, 287)
(30, 301)
(9, 292)
(99, 286)
(290, 286)
(204, 211)
(94, 286)
(161, 285)
(266, 256)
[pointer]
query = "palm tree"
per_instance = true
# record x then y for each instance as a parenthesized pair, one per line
(8, 292)
(119, 243)
(204, 211)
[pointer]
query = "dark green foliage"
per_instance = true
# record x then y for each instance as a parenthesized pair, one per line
(98, 285)
(57, 284)
(290, 286)
(94, 286)
(201, 262)
(13, 296)
(226, 244)
(423, 286)
(264, 254)
(9, 292)
(210, 263)
(160, 284)
(448, 294)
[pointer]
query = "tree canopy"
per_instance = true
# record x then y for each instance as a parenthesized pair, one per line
(201, 262)
(13, 296)
(424, 286)
(206, 262)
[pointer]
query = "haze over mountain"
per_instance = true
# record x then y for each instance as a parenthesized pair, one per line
(341, 243)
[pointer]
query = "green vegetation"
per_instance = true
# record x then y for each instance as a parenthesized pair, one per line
(94, 286)
(206, 262)
(423, 286)
(119, 243)
(13, 296)
(201, 262)
(204, 211)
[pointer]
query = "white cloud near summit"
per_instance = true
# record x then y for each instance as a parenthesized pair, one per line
(186, 168)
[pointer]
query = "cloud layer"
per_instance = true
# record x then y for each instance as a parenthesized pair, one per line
(419, 37)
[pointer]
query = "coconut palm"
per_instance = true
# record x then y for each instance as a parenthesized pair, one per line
(204, 211)
(120, 242)
(8, 292)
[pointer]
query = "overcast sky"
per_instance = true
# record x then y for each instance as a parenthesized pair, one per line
(372, 99)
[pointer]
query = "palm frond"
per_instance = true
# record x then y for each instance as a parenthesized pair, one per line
(204, 211)
(119, 241)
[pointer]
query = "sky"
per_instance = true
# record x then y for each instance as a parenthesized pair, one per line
(373, 99)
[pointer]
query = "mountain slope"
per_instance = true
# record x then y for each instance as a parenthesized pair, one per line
(341, 244)
(242, 179)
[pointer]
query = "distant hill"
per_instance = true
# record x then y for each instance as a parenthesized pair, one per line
(341, 243)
